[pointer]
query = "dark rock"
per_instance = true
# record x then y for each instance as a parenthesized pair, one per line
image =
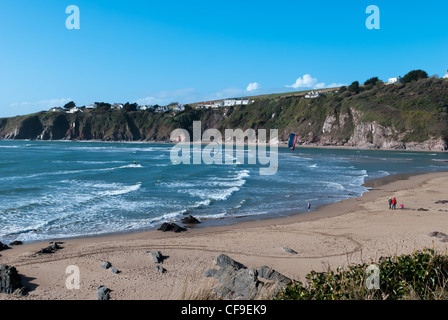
(210, 273)
(103, 293)
(437, 234)
(115, 271)
(157, 256)
(160, 269)
(239, 282)
(190, 220)
(16, 243)
(46, 250)
(55, 245)
(50, 249)
(3, 247)
(290, 250)
(442, 201)
(422, 209)
(106, 265)
(224, 261)
(166, 226)
(272, 275)
(9, 279)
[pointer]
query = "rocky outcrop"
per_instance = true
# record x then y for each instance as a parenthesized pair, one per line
(190, 220)
(103, 293)
(10, 280)
(236, 281)
(169, 226)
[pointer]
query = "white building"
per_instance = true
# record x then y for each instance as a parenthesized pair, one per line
(74, 110)
(145, 107)
(313, 95)
(445, 76)
(178, 108)
(91, 106)
(56, 109)
(395, 80)
(236, 102)
(162, 109)
(117, 106)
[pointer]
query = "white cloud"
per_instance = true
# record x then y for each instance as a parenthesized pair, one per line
(253, 86)
(307, 81)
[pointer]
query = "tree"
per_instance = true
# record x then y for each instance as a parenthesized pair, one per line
(188, 108)
(69, 105)
(102, 106)
(371, 81)
(354, 87)
(415, 75)
(130, 107)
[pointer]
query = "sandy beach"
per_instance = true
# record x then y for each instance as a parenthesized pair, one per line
(351, 231)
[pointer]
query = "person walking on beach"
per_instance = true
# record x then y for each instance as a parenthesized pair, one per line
(309, 206)
(390, 203)
(394, 203)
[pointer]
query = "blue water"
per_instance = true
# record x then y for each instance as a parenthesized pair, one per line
(66, 189)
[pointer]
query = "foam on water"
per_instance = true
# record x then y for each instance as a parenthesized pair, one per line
(82, 188)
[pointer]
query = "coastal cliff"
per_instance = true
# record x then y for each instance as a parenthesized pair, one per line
(410, 116)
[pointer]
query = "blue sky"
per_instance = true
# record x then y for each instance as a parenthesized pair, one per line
(188, 51)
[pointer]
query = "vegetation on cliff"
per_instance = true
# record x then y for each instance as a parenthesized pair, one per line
(376, 115)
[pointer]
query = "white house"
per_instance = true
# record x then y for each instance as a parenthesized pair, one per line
(91, 106)
(445, 76)
(117, 106)
(74, 110)
(395, 80)
(236, 102)
(178, 108)
(312, 95)
(56, 109)
(145, 107)
(162, 109)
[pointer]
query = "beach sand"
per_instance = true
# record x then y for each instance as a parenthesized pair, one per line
(351, 231)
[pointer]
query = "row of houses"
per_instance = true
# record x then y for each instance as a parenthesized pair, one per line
(224, 103)
(120, 106)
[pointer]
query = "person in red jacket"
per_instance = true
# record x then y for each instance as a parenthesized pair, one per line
(394, 203)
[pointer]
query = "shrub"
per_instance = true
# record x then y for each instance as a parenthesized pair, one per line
(415, 75)
(421, 275)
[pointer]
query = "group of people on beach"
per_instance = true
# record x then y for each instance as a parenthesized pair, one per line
(393, 204)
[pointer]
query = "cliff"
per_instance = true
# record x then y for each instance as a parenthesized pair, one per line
(402, 116)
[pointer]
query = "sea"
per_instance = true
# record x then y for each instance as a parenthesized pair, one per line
(63, 189)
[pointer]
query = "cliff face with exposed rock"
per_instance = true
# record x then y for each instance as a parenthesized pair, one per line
(412, 116)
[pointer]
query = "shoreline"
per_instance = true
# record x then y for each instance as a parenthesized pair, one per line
(259, 220)
(350, 231)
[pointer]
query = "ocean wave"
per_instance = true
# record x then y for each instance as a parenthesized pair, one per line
(118, 192)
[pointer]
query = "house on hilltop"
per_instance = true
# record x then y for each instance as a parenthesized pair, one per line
(395, 80)
(74, 110)
(312, 95)
(446, 76)
(236, 102)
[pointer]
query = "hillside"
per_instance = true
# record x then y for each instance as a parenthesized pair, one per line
(401, 116)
